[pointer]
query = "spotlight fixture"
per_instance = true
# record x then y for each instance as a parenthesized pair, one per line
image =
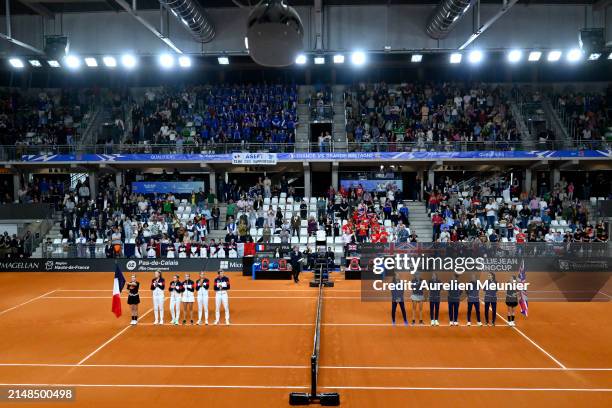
(16, 63)
(166, 61)
(338, 59)
(358, 58)
(455, 58)
(223, 60)
(574, 55)
(184, 61)
(300, 59)
(128, 61)
(319, 60)
(416, 58)
(515, 56)
(594, 56)
(475, 57)
(91, 62)
(554, 56)
(53, 63)
(35, 63)
(109, 61)
(534, 56)
(72, 61)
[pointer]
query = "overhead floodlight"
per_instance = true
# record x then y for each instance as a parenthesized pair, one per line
(166, 61)
(338, 59)
(300, 59)
(246, 42)
(319, 60)
(416, 58)
(184, 61)
(554, 56)
(534, 56)
(128, 61)
(574, 55)
(91, 62)
(515, 56)
(223, 60)
(53, 63)
(358, 58)
(72, 61)
(109, 61)
(35, 63)
(455, 58)
(16, 63)
(594, 56)
(610, 56)
(475, 57)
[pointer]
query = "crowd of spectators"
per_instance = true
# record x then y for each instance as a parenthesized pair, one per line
(48, 118)
(207, 118)
(590, 115)
(495, 211)
(15, 246)
(424, 116)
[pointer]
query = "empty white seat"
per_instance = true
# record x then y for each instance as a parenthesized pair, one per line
(266, 207)
(187, 210)
(294, 240)
(289, 200)
(276, 240)
(274, 201)
(253, 232)
(330, 240)
(184, 201)
(296, 207)
(180, 209)
(58, 241)
(303, 240)
(563, 223)
(312, 240)
(303, 223)
(554, 223)
(267, 200)
(303, 231)
(338, 240)
(283, 200)
(283, 195)
(387, 223)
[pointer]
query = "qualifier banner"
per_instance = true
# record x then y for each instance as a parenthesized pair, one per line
(127, 265)
(269, 159)
(165, 187)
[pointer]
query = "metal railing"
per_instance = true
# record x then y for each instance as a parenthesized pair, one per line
(17, 153)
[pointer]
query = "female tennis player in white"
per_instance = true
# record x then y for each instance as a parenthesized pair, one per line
(188, 299)
(176, 288)
(202, 286)
(222, 285)
(158, 284)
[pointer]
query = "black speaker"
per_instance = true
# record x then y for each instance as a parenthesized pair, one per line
(56, 46)
(592, 39)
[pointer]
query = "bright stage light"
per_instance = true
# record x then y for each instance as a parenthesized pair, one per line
(515, 56)
(166, 61)
(16, 63)
(223, 60)
(416, 58)
(128, 61)
(319, 60)
(455, 58)
(35, 63)
(338, 59)
(358, 58)
(109, 61)
(184, 61)
(554, 56)
(475, 57)
(91, 62)
(300, 59)
(574, 55)
(72, 61)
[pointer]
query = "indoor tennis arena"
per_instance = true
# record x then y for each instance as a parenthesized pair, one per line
(234, 203)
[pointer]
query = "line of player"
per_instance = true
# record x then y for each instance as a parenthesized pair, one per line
(183, 292)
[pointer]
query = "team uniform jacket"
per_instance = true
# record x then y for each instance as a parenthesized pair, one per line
(160, 284)
(219, 280)
(202, 284)
(188, 285)
(176, 287)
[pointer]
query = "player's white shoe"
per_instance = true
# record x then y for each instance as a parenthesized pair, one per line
(216, 322)
(199, 322)
(480, 323)
(227, 322)
(155, 322)
(161, 322)
(437, 322)
(206, 322)
(468, 324)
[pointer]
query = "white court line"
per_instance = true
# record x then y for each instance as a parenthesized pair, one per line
(284, 387)
(26, 302)
(231, 297)
(365, 388)
(605, 294)
(233, 290)
(408, 327)
(111, 339)
(534, 343)
(377, 368)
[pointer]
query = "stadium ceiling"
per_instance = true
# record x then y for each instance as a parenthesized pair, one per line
(50, 7)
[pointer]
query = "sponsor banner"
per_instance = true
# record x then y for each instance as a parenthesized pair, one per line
(551, 271)
(273, 158)
(165, 187)
(378, 185)
(254, 158)
(127, 265)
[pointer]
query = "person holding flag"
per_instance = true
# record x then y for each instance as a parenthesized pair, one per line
(118, 284)
(522, 294)
(158, 284)
(176, 289)
(222, 285)
(133, 298)
(511, 301)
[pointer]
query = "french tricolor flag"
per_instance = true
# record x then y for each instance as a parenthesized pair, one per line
(260, 247)
(118, 285)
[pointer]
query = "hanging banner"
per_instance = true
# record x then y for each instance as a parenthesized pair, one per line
(269, 159)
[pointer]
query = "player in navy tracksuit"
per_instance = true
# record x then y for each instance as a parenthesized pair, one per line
(490, 299)
(454, 297)
(175, 289)
(222, 285)
(434, 299)
(473, 295)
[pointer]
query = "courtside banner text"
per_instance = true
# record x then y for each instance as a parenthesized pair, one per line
(127, 265)
(540, 271)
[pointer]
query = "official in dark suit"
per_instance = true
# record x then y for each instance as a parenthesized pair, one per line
(296, 263)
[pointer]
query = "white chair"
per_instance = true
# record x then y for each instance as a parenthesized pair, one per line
(283, 200)
(266, 207)
(563, 223)
(338, 240)
(184, 201)
(289, 200)
(593, 200)
(554, 223)
(180, 209)
(330, 241)
(313, 200)
(283, 195)
(303, 232)
(274, 201)
(296, 207)
(187, 210)
(267, 201)
(387, 223)
(294, 240)
(303, 240)
(276, 240)
(253, 232)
